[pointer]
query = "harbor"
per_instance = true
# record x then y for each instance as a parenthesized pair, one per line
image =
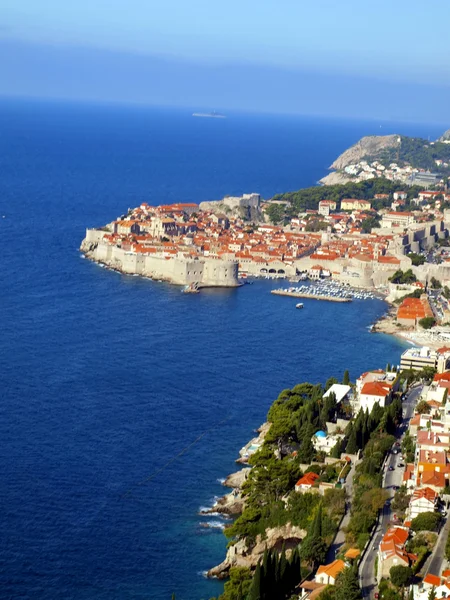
(313, 296)
(330, 291)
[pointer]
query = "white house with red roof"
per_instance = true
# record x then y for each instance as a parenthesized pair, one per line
(423, 500)
(305, 483)
(392, 553)
(440, 584)
(374, 392)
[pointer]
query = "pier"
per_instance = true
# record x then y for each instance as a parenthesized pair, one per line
(294, 294)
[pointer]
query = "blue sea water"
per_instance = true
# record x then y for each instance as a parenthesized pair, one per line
(123, 402)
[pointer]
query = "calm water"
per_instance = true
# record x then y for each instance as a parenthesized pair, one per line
(105, 379)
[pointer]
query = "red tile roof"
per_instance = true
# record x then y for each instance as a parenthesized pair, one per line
(432, 580)
(307, 479)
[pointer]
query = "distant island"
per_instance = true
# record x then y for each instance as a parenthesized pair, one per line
(211, 115)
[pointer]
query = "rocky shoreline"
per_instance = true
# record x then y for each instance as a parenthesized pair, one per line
(233, 503)
(239, 555)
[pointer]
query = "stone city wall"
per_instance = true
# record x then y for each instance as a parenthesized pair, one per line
(207, 272)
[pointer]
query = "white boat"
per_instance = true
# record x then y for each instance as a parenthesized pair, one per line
(299, 305)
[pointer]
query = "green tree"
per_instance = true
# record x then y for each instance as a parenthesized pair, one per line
(447, 548)
(435, 283)
(314, 547)
(254, 593)
(432, 594)
(416, 259)
(427, 322)
(352, 444)
(400, 576)
(401, 501)
(276, 213)
(370, 223)
(347, 584)
(427, 521)
(422, 407)
(403, 277)
(346, 378)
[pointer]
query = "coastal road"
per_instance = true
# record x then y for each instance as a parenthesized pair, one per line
(339, 538)
(391, 478)
(436, 563)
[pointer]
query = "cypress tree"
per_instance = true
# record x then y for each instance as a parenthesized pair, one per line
(255, 588)
(317, 524)
(347, 584)
(346, 378)
(265, 559)
(283, 578)
(352, 444)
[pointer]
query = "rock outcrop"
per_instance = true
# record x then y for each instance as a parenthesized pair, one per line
(235, 480)
(239, 555)
(369, 146)
(445, 137)
(231, 504)
(334, 178)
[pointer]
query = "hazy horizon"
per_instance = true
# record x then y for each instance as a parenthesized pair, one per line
(383, 62)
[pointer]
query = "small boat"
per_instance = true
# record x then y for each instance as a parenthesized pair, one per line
(191, 288)
(299, 305)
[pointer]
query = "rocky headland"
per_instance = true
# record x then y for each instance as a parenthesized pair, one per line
(241, 555)
(368, 147)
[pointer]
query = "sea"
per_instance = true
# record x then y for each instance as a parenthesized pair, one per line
(124, 402)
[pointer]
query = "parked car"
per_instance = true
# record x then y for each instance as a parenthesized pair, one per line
(391, 468)
(401, 464)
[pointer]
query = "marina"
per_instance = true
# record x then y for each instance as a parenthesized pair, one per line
(298, 294)
(329, 291)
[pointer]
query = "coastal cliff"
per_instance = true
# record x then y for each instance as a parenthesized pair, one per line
(368, 146)
(241, 555)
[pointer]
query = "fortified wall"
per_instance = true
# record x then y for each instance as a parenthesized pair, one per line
(247, 205)
(204, 271)
(417, 238)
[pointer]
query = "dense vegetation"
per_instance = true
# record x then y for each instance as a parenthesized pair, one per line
(408, 447)
(369, 497)
(403, 277)
(270, 497)
(275, 576)
(271, 500)
(427, 521)
(416, 152)
(309, 198)
(346, 588)
(427, 322)
(416, 259)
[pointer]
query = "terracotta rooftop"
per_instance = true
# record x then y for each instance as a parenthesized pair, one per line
(333, 569)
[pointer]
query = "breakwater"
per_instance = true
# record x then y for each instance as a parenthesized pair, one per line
(311, 296)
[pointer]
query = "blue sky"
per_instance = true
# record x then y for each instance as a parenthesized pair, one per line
(233, 54)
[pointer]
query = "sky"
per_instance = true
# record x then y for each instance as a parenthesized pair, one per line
(384, 59)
